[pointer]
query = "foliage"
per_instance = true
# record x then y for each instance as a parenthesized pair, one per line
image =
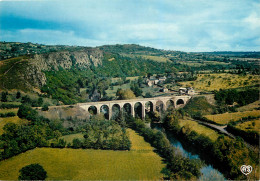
(45, 108)
(20, 138)
(230, 96)
(4, 96)
(136, 89)
(125, 94)
(18, 95)
(103, 134)
(250, 136)
(26, 112)
(8, 106)
(9, 114)
(32, 172)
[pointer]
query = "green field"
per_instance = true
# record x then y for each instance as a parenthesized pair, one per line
(140, 163)
(200, 129)
(253, 125)
(236, 116)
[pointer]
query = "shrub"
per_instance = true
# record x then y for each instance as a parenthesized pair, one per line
(45, 108)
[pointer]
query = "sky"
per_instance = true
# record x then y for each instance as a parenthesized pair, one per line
(184, 25)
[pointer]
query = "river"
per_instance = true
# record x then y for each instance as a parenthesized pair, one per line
(207, 170)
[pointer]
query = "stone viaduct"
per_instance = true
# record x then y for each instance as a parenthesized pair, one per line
(147, 104)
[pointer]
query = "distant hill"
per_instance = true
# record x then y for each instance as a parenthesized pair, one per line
(29, 66)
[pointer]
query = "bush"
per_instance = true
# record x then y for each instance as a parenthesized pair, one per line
(45, 108)
(25, 111)
(8, 106)
(32, 172)
(9, 114)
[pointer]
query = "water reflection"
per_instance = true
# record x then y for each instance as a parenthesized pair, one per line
(208, 172)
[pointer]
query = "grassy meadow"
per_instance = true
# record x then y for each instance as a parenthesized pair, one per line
(236, 116)
(253, 125)
(216, 81)
(195, 126)
(250, 107)
(88, 164)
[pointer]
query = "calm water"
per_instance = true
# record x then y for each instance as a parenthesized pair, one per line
(208, 172)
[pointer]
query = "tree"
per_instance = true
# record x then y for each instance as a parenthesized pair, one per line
(137, 91)
(45, 108)
(76, 143)
(81, 85)
(32, 172)
(4, 96)
(27, 112)
(26, 99)
(18, 95)
(40, 101)
(148, 95)
(125, 94)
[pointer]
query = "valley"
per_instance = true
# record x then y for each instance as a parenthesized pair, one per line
(89, 112)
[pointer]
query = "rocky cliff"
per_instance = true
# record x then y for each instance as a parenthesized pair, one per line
(26, 73)
(66, 60)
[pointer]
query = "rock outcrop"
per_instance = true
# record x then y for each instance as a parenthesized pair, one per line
(66, 60)
(28, 73)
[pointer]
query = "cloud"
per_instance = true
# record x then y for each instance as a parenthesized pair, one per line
(168, 24)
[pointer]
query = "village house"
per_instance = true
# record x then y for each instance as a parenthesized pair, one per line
(154, 81)
(186, 91)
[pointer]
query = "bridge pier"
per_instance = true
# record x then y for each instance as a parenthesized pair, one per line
(132, 110)
(143, 111)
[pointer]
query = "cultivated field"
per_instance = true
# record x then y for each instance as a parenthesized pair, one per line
(236, 116)
(210, 82)
(81, 164)
(193, 125)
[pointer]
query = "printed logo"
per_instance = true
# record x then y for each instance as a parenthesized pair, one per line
(246, 169)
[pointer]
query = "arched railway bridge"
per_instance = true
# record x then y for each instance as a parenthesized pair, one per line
(144, 104)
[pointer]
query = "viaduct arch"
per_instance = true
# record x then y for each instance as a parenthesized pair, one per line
(176, 101)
